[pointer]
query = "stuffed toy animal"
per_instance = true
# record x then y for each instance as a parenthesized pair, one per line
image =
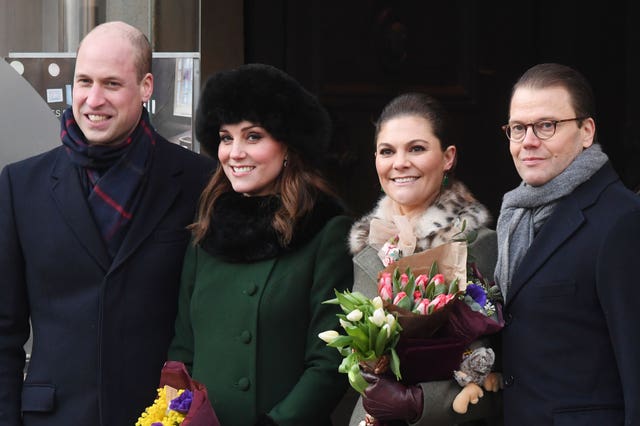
(474, 375)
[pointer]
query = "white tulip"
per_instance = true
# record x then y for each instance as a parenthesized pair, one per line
(378, 317)
(377, 302)
(391, 320)
(387, 329)
(329, 335)
(355, 315)
(344, 323)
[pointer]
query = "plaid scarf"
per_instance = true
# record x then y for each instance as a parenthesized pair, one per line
(113, 175)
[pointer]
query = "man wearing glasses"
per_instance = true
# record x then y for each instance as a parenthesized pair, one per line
(569, 251)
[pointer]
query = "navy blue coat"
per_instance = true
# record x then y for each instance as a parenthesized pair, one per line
(101, 329)
(571, 345)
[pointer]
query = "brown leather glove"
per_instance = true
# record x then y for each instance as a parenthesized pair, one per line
(387, 399)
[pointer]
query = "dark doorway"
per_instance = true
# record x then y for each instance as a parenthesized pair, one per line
(357, 54)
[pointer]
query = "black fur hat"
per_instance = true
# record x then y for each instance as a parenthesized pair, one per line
(267, 96)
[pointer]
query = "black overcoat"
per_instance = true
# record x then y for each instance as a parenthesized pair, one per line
(101, 328)
(571, 346)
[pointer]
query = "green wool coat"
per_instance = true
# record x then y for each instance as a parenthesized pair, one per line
(249, 331)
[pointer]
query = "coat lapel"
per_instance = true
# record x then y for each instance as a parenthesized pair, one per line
(561, 225)
(71, 201)
(159, 194)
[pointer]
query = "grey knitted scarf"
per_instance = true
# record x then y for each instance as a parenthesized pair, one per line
(525, 209)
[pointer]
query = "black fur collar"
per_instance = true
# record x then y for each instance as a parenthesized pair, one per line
(241, 230)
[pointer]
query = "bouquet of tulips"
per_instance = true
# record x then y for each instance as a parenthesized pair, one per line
(440, 318)
(429, 308)
(372, 334)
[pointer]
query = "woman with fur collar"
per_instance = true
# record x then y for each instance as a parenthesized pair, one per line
(423, 207)
(269, 245)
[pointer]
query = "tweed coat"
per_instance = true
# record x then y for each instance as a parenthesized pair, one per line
(249, 331)
(571, 346)
(101, 328)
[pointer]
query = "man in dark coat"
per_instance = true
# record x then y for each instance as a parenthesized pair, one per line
(568, 241)
(92, 238)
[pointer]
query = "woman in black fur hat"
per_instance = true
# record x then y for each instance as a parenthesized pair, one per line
(269, 245)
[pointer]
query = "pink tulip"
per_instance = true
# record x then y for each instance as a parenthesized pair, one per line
(440, 300)
(385, 280)
(401, 295)
(386, 292)
(438, 279)
(404, 279)
(421, 282)
(422, 307)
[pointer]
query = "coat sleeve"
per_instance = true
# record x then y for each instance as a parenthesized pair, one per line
(616, 277)
(366, 265)
(14, 308)
(320, 387)
(484, 252)
(181, 348)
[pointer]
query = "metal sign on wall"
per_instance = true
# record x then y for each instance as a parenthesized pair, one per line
(28, 128)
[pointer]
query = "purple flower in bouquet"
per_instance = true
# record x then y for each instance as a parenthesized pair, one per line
(183, 402)
(477, 293)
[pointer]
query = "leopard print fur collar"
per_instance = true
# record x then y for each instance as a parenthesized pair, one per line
(437, 225)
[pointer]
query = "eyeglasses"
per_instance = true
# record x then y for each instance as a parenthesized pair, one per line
(543, 129)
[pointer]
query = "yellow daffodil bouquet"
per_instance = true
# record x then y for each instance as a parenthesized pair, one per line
(372, 333)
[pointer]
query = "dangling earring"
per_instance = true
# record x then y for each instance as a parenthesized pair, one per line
(445, 180)
(285, 162)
